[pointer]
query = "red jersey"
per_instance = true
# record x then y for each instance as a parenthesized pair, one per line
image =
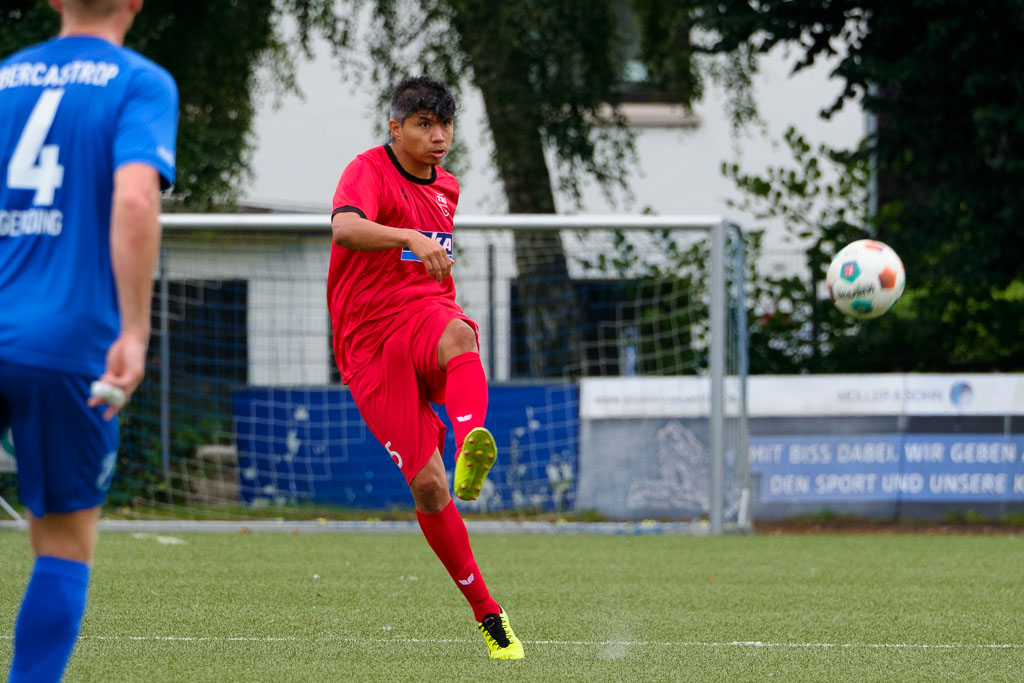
(371, 292)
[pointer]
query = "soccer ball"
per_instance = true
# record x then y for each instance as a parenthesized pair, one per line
(865, 279)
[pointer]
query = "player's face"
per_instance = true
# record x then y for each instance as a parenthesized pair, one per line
(421, 141)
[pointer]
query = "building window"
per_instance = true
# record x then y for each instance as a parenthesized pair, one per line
(657, 84)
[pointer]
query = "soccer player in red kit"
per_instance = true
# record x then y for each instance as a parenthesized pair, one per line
(400, 340)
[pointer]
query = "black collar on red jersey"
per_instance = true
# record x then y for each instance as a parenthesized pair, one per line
(405, 174)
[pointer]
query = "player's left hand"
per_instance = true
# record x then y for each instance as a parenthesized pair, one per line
(126, 366)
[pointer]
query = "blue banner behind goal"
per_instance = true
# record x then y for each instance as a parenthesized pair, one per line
(310, 445)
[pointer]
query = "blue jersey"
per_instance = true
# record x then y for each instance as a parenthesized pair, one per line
(72, 111)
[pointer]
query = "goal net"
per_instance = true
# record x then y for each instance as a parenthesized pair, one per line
(614, 348)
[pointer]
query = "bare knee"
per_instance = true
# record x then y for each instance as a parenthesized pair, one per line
(69, 536)
(458, 338)
(430, 487)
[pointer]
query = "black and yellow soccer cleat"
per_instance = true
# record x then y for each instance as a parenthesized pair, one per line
(501, 641)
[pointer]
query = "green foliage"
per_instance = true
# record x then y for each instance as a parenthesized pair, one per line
(966, 517)
(665, 49)
(822, 199)
(795, 328)
(24, 22)
(199, 413)
(8, 489)
(942, 79)
(1013, 519)
(139, 472)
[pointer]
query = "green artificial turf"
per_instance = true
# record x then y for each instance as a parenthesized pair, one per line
(379, 607)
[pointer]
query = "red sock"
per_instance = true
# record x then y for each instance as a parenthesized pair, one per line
(465, 395)
(446, 533)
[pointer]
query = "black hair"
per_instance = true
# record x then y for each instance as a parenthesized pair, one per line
(422, 93)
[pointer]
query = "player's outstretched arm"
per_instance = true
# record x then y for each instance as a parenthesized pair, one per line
(355, 232)
(134, 246)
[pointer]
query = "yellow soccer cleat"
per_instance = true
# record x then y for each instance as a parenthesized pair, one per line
(474, 462)
(501, 642)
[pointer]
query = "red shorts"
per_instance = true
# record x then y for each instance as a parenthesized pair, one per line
(394, 391)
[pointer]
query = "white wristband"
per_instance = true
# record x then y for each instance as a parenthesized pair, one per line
(108, 393)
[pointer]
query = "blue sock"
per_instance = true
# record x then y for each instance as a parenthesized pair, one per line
(51, 613)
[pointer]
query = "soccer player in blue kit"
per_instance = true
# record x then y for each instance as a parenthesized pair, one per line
(87, 141)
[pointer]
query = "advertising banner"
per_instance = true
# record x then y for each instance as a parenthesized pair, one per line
(885, 394)
(908, 467)
(311, 445)
(651, 397)
(806, 395)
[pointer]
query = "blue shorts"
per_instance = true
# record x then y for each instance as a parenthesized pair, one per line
(65, 450)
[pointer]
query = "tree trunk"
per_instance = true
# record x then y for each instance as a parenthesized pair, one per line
(547, 295)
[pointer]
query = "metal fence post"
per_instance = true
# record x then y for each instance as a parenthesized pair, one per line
(165, 368)
(743, 516)
(716, 366)
(491, 315)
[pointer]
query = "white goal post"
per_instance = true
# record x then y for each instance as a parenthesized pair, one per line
(230, 423)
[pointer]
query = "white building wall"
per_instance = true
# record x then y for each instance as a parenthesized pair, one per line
(288, 326)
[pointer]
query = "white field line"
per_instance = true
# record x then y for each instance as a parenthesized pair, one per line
(575, 643)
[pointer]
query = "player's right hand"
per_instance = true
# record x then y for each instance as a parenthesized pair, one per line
(434, 257)
(126, 366)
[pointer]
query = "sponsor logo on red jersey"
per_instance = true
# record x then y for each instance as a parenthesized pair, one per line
(442, 238)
